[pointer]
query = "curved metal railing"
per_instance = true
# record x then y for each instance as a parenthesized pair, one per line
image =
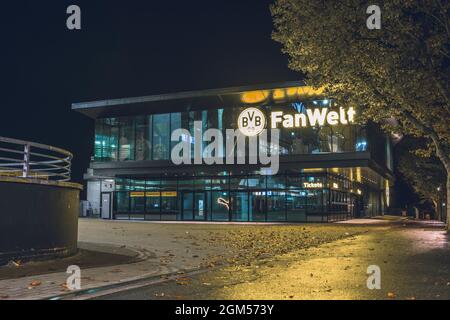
(26, 159)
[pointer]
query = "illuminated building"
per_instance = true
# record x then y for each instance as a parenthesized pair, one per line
(330, 170)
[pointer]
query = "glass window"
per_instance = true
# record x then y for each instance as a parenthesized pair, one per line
(122, 202)
(148, 137)
(314, 202)
(202, 183)
(126, 139)
(169, 184)
(161, 136)
(175, 123)
(169, 204)
(257, 182)
(276, 206)
(296, 205)
(143, 138)
(138, 185)
(105, 145)
(294, 181)
(239, 206)
(276, 182)
(238, 183)
(219, 183)
(185, 184)
(257, 210)
(153, 201)
(152, 184)
(220, 204)
(122, 184)
(187, 203)
(137, 200)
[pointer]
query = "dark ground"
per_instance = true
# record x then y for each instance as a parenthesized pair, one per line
(94, 257)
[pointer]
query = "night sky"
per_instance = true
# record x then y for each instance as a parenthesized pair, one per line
(125, 48)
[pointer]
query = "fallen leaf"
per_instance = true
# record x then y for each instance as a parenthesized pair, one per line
(183, 281)
(35, 283)
(391, 295)
(16, 263)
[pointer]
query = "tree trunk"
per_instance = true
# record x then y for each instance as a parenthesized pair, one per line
(446, 201)
(437, 208)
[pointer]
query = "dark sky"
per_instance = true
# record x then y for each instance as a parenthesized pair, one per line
(125, 48)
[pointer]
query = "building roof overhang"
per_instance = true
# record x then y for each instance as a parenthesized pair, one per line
(197, 100)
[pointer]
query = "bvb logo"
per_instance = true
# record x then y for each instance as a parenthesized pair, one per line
(251, 122)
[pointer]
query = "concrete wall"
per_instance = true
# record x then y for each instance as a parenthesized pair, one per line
(37, 219)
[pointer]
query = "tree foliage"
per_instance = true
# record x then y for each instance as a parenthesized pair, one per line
(424, 174)
(400, 71)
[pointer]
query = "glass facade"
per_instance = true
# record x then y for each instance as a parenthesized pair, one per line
(147, 137)
(293, 195)
(319, 197)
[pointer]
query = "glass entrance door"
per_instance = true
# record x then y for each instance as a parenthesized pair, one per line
(187, 205)
(194, 205)
(200, 206)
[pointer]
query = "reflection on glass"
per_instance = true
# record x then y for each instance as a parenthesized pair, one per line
(296, 205)
(239, 206)
(220, 205)
(276, 206)
(257, 206)
(312, 197)
(161, 136)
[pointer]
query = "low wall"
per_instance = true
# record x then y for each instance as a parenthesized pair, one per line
(38, 219)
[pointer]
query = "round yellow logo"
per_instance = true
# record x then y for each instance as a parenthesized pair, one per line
(251, 122)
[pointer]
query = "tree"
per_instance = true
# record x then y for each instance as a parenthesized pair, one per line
(400, 71)
(425, 175)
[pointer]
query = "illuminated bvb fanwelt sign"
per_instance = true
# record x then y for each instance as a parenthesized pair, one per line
(251, 121)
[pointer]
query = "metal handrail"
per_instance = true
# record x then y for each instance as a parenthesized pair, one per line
(18, 160)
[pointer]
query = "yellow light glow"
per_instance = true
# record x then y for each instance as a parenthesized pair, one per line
(137, 194)
(278, 94)
(291, 92)
(335, 185)
(358, 191)
(313, 170)
(169, 193)
(254, 96)
(387, 194)
(358, 174)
